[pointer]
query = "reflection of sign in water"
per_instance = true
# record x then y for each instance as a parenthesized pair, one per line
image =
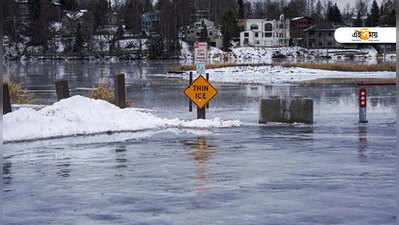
(362, 141)
(201, 151)
(201, 68)
(200, 92)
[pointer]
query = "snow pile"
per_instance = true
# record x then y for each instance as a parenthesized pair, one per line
(279, 74)
(263, 54)
(57, 26)
(185, 51)
(133, 44)
(83, 116)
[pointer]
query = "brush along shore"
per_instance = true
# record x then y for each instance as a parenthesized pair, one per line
(348, 81)
(320, 66)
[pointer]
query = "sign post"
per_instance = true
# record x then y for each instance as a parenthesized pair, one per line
(200, 92)
(200, 58)
(362, 105)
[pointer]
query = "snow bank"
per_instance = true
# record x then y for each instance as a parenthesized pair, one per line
(279, 74)
(84, 116)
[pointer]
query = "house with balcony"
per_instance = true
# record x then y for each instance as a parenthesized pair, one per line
(265, 33)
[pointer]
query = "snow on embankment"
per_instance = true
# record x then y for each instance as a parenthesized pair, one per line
(279, 74)
(84, 116)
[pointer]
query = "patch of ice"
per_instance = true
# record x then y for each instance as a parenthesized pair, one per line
(79, 115)
(278, 74)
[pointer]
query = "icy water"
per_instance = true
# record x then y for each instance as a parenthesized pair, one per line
(332, 172)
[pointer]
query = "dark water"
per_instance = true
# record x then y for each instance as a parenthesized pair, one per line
(333, 172)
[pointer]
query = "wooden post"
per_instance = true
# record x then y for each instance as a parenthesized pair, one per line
(201, 113)
(190, 103)
(207, 79)
(120, 93)
(6, 99)
(62, 89)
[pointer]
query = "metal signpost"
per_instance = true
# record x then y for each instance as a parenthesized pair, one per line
(200, 92)
(362, 105)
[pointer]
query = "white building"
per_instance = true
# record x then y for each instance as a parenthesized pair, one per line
(265, 33)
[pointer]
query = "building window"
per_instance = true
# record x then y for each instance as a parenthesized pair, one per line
(256, 34)
(281, 26)
(246, 34)
(254, 27)
(268, 34)
(268, 27)
(329, 43)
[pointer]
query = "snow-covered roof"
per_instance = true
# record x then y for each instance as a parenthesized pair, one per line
(76, 15)
(56, 2)
(297, 18)
(363, 17)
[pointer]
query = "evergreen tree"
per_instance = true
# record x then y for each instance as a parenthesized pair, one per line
(148, 6)
(69, 4)
(330, 12)
(333, 13)
(204, 33)
(337, 14)
(99, 8)
(392, 18)
(240, 4)
(230, 29)
(358, 21)
(132, 13)
(374, 17)
(78, 45)
(317, 15)
(248, 12)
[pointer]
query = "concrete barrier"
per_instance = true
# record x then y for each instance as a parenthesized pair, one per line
(301, 110)
(272, 110)
(288, 110)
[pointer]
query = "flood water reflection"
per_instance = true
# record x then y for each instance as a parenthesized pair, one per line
(252, 174)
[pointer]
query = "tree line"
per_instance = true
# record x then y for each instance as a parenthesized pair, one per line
(177, 14)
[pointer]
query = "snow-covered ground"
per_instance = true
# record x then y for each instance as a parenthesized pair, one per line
(79, 115)
(262, 54)
(279, 74)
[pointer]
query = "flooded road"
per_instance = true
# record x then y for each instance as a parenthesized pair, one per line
(332, 172)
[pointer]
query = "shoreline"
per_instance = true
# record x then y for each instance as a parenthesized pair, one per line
(343, 81)
(341, 67)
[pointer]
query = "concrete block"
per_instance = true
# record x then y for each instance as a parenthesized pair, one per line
(301, 110)
(296, 110)
(272, 110)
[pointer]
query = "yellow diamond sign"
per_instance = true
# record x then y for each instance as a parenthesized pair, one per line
(200, 92)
